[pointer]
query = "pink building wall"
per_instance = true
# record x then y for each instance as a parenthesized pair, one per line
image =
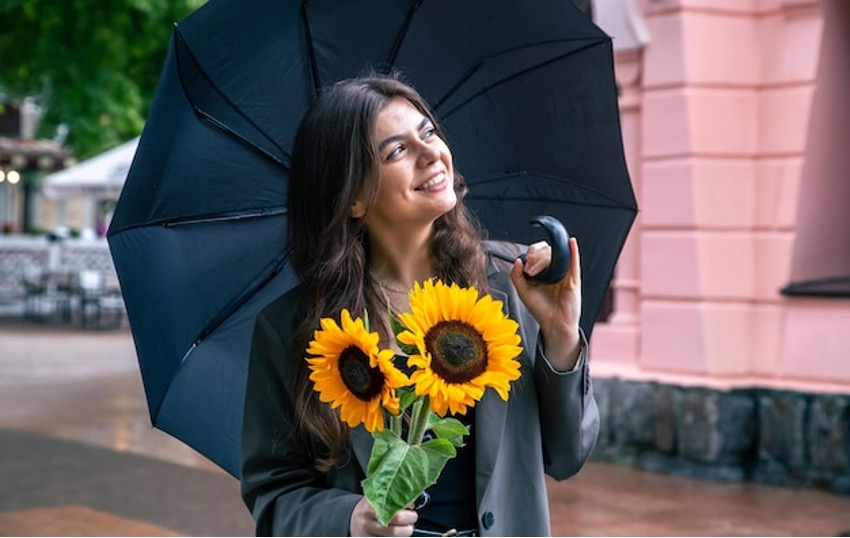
(741, 184)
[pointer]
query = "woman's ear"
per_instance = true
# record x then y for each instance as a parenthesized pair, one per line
(358, 210)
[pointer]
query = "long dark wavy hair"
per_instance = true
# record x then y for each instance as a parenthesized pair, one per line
(334, 159)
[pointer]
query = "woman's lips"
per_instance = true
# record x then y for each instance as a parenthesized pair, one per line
(435, 181)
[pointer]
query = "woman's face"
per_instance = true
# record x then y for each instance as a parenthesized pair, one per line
(416, 177)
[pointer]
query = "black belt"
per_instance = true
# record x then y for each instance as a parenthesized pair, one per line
(452, 532)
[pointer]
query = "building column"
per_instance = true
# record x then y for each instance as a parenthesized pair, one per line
(615, 344)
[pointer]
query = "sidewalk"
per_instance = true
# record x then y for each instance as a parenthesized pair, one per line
(79, 458)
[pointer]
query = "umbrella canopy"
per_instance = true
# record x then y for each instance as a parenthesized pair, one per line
(100, 177)
(526, 95)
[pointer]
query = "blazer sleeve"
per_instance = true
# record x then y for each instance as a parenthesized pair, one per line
(283, 491)
(569, 417)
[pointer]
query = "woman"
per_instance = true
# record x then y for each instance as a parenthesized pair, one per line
(375, 205)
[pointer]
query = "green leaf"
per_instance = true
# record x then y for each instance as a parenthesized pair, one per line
(400, 475)
(439, 452)
(406, 396)
(450, 429)
(395, 323)
(397, 472)
(407, 349)
(383, 443)
(398, 328)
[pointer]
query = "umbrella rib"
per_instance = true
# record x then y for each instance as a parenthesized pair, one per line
(311, 50)
(619, 207)
(463, 78)
(496, 177)
(227, 311)
(206, 116)
(209, 117)
(503, 80)
(203, 219)
(402, 33)
(223, 217)
(277, 267)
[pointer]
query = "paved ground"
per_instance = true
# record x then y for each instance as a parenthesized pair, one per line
(78, 458)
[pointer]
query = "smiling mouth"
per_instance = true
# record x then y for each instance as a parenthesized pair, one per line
(435, 181)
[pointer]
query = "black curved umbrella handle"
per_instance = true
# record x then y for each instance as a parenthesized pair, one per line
(559, 240)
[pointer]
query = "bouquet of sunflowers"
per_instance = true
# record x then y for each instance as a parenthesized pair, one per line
(457, 343)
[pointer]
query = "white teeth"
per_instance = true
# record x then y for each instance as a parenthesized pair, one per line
(431, 183)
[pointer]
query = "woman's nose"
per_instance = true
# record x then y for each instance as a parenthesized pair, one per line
(428, 154)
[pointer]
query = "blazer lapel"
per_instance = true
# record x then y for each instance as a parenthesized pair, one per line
(491, 411)
(490, 417)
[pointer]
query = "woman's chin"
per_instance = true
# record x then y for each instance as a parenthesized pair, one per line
(448, 204)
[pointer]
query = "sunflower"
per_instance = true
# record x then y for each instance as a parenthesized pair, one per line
(350, 372)
(465, 345)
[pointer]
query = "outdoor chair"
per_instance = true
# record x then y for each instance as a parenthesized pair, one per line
(100, 305)
(34, 291)
(47, 295)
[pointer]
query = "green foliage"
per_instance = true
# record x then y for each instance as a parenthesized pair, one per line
(399, 469)
(398, 472)
(92, 64)
(450, 429)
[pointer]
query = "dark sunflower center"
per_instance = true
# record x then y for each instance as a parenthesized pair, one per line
(359, 378)
(458, 351)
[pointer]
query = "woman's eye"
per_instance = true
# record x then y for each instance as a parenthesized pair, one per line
(395, 151)
(429, 132)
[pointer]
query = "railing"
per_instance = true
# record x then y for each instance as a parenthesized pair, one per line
(21, 257)
(70, 280)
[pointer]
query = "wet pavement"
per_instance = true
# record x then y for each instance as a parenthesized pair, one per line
(78, 457)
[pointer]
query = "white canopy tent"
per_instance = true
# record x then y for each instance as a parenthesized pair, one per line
(100, 177)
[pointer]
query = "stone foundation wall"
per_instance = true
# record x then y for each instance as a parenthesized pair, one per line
(768, 436)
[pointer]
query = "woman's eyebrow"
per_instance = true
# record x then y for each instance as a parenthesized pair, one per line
(395, 138)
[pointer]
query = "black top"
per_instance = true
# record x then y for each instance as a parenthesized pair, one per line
(452, 499)
(452, 503)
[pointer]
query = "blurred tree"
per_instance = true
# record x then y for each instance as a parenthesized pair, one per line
(93, 65)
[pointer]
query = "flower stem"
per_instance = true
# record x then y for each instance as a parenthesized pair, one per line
(419, 421)
(414, 420)
(395, 424)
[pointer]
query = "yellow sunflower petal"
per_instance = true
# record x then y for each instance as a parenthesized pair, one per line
(349, 347)
(443, 317)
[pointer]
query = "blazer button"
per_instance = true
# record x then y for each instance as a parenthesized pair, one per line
(488, 519)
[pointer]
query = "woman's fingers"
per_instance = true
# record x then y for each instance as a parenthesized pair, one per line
(364, 522)
(574, 274)
(405, 517)
(537, 258)
(400, 525)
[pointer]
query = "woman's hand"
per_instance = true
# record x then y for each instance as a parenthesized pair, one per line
(364, 522)
(556, 307)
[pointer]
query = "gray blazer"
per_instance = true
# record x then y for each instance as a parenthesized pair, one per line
(548, 425)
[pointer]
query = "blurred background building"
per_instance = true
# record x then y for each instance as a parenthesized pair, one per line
(54, 260)
(726, 352)
(23, 160)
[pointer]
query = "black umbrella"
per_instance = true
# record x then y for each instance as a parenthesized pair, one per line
(524, 90)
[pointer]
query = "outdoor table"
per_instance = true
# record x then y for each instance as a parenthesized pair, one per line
(99, 304)
(48, 294)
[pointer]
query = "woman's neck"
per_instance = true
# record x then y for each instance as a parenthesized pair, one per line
(395, 264)
(396, 261)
